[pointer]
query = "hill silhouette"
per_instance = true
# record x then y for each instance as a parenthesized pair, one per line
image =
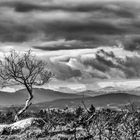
(98, 101)
(40, 95)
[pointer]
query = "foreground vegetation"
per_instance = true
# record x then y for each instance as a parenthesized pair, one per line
(75, 124)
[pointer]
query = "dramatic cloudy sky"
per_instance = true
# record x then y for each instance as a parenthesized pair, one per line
(84, 41)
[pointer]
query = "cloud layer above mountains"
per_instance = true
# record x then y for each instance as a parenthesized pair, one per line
(102, 63)
(69, 33)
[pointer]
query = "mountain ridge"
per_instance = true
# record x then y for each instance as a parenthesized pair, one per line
(40, 95)
(98, 101)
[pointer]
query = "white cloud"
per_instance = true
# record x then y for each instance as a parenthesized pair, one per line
(122, 84)
(8, 89)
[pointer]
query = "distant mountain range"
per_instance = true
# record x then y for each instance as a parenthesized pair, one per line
(106, 100)
(40, 95)
(44, 98)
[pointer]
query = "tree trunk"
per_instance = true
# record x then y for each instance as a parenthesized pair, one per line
(100, 135)
(27, 104)
(75, 134)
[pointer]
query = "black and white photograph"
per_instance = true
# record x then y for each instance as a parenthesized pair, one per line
(69, 69)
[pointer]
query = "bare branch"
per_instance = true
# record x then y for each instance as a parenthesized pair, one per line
(24, 69)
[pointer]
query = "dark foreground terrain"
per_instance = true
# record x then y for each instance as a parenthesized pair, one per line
(73, 124)
(113, 116)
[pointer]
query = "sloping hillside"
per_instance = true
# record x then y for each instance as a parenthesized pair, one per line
(40, 95)
(98, 101)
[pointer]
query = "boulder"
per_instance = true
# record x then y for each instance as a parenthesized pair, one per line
(22, 126)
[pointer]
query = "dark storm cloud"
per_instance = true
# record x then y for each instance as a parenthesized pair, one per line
(82, 43)
(15, 33)
(29, 6)
(91, 34)
(89, 21)
(132, 43)
(20, 6)
(95, 27)
(50, 48)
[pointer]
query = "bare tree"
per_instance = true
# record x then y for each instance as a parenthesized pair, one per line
(24, 69)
